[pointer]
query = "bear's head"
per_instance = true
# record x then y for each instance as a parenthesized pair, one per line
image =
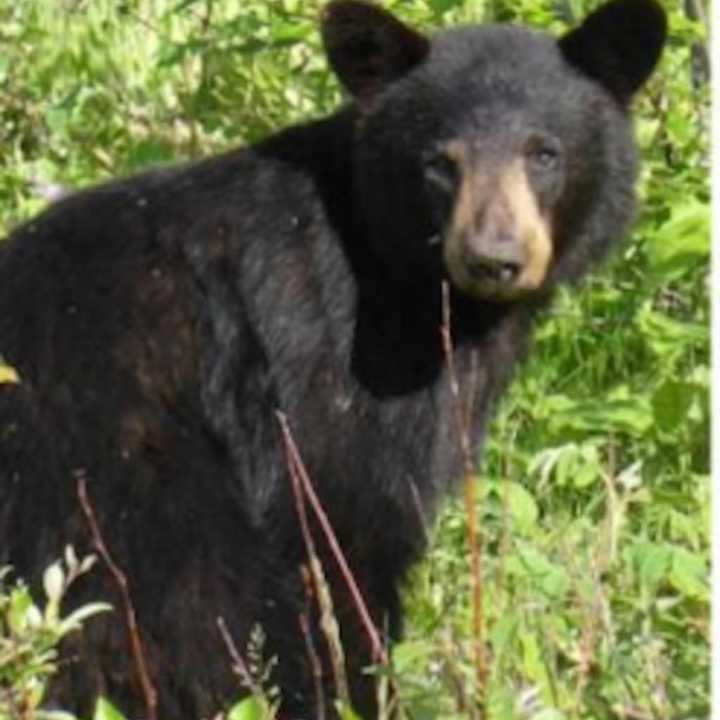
(495, 155)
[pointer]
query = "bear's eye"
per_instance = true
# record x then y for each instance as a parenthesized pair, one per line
(441, 171)
(544, 156)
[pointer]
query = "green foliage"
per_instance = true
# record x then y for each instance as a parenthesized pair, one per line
(29, 638)
(251, 708)
(594, 489)
(105, 710)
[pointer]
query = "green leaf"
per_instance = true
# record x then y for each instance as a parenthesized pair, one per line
(620, 411)
(289, 33)
(532, 658)
(689, 574)
(75, 620)
(666, 335)
(8, 374)
(503, 633)
(529, 563)
(501, 702)
(105, 710)
(20, 604)
(149, 152)
(442, 6)
(522, 506)
(346, 712)
(681, 241)
(251, 708)
(653, 564)
(577, 463)
(411, 653)
(671, 402)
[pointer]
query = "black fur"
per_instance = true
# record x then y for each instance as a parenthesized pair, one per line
(158, 323)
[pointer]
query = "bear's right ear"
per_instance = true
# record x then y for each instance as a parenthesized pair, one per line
(368, 48)
(618, 45)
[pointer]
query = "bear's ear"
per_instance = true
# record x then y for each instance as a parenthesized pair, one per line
(368, 48)
(618, 45)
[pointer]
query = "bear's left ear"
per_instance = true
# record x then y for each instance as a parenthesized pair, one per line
(618, 45)
(368, 48)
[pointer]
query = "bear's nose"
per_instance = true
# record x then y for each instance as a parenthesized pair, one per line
(500, 271)
(501, 265)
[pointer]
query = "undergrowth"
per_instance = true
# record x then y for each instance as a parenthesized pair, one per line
(593, 493)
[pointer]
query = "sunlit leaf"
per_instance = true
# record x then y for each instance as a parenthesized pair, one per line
(681, 241)
(8, 374)
(251, 708)
(105, 710)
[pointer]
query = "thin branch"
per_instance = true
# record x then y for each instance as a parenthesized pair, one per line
(463, 421)
(314, 576)
(297, 467)
(461, 417)
(136, 645)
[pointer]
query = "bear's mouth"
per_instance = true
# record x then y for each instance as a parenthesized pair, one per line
(497, 243)
(507, 269)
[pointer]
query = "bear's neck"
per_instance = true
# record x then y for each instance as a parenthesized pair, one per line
(400, 343)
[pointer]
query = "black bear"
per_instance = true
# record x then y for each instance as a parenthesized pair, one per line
(158, 323)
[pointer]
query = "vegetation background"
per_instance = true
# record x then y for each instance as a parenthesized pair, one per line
(593, 493)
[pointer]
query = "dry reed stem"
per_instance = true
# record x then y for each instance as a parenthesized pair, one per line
(136, 645)
(299, 473)
(462, 419)
(315, 573)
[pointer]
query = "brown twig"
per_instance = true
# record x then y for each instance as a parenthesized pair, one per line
(462, 419)
(136, 645)
(298, 469)
(460, 413)
(315, 574)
